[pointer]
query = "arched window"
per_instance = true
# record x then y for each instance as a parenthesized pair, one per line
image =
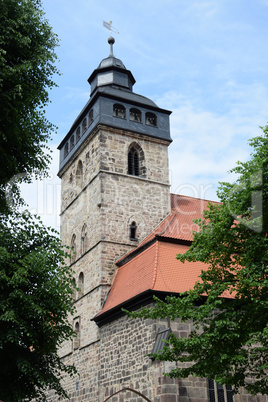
(78, 134)
(73, 248)
(79, 173)
(76, 341)
(66, 149)
(135, 115)
(133, 162)
(84, 239)
(81, 284)
(72, 142)
(132, 231)
(150, 119)
(71, 178)
(84, 125)
(136, 160)
(119, 111)
(74, 293)
(90, 117)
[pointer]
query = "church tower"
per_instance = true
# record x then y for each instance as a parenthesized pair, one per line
(115, 186)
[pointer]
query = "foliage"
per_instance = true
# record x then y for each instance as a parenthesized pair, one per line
(229, 305)
(36, 290)
(27, 67)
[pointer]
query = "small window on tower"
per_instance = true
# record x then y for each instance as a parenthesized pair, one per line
(150, 119)
(90, 117)
(84, 125)
(66, 149)
(133, 162)
(78, 134)
(72, 142)
(135, 115)
(133, 231)
(76, 341)
(73, 248)
(74, 293)
(79, 173)
(119, 111)
(81, 284)
(84, 239)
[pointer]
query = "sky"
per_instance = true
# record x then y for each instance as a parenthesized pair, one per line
(205, 60)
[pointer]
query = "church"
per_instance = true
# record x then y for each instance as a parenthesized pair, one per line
(125, 229)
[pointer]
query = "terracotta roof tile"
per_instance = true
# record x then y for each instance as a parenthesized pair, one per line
(133, 278)
(178, 225)
(155, 267)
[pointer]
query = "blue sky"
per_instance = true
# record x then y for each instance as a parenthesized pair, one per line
(205, 60)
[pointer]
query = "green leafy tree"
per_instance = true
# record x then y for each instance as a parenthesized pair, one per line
(36, 287)
(229, 342)
(36, 296)
(27, 68)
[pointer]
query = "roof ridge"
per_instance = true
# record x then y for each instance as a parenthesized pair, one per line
(172, 215)
(195, 198)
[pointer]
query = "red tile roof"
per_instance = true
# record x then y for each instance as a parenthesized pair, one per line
(179, 223)
(153, 264)
(156, 268)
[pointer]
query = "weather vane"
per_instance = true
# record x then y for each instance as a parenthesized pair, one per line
(109, 26)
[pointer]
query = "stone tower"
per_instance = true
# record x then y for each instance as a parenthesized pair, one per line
(115, 188)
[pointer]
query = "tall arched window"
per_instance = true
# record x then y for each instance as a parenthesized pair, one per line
(79, 173)
(76, 341)
(73, 248)
(133, 162)
(84, 239)
(81, 284)
(136, 160)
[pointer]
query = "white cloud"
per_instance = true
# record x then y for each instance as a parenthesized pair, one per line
(207, 144)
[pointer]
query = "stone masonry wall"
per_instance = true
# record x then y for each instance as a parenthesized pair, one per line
(123, 346)
(117, 361)
(99, 202)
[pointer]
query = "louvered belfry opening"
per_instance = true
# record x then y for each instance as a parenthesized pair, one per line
(133, 162)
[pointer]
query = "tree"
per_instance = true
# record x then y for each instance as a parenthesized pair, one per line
(27, 67)
(228, 305)
(36, 289)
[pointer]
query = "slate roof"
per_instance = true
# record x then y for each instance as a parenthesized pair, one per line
(153, 264)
